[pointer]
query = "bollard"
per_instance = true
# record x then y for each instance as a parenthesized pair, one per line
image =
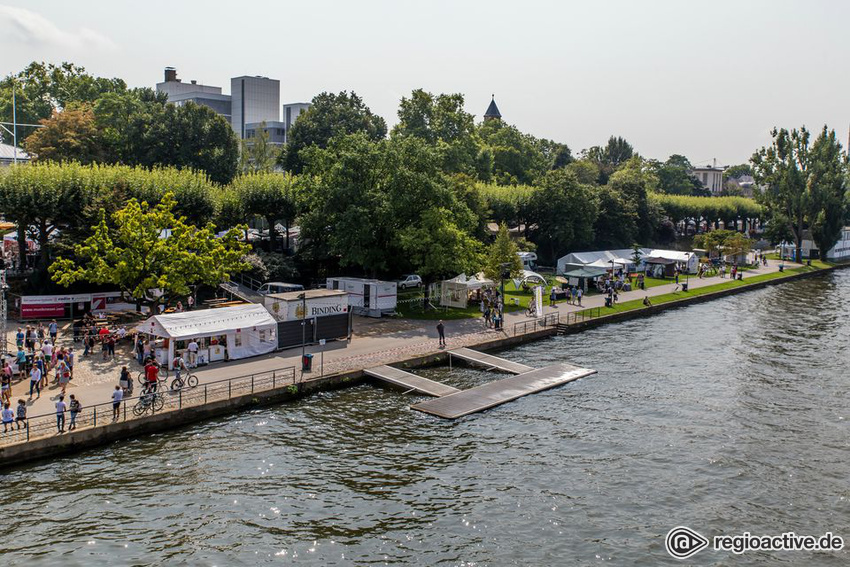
(95, 416)
(252, 383)
(205, 393)
(180, 399)
(273, 381)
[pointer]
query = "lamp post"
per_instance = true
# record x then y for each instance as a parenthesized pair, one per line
(687, 268)
(303, 298)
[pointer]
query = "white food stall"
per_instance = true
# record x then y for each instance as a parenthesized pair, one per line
(372, 298)
(227, 333)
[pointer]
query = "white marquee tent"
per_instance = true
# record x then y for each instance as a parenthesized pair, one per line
(455, 292)
(242, 331)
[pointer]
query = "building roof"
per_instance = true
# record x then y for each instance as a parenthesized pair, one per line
(585, 273)
(7, 152)
(207, 322)
(308, 294)
(493, 110)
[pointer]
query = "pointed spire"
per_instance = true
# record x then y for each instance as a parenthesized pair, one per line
(493, 110)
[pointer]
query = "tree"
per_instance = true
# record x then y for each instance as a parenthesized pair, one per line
(441, 121)
(827, 187)
(148, 249)
(675, 178)
(637, 255)
(616, 221)
(257, 153)
(564, 212)
(502, 256)
(188, 136)
(516, 157)
(270, 196)
(633, 183)
(737, 171)
(330, 115)
(438, 247)
(42, 89)
(782, 170)
(70, 135)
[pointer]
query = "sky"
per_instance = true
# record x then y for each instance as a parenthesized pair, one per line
(707, 79)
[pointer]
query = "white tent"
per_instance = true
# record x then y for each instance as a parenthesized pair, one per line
(688, 259)
(600, 259)
(233, 332)
(455, 292)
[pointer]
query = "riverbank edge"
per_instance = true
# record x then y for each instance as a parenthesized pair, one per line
(12, 456)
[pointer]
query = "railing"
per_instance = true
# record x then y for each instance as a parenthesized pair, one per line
(533, 325)
(96, 415)
(573, 317)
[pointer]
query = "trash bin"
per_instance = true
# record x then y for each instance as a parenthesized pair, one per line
(740, 276)
(607, 302)
(307, 363)
(781, 267)
(685, 286)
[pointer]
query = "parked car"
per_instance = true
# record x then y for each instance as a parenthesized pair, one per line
(411, 280)
(278, 287)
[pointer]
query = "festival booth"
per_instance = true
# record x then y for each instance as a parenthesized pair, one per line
(581, 276)
(660, 267)
(456, 291)
(372, 298)
(686, 261)
(309, 316)
(69, 306)
(602, 259)
(227, 333)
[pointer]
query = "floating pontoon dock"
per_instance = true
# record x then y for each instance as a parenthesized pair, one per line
(496, 393)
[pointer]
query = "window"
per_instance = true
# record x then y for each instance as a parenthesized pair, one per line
(237, 339)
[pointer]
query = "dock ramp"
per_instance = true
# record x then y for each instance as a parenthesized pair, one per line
(489, 361)
(410, 382)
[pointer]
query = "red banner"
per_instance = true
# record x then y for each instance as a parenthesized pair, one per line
(42, 310)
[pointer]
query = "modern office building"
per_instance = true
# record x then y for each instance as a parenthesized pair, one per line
(180, 93)
(292, 111)
(254, 100)
(275, 129)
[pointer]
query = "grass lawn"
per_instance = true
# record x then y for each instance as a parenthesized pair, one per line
(675, 296)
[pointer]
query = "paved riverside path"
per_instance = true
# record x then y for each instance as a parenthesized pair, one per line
(375, 342)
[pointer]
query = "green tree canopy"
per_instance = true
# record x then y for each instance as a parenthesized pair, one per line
(502, 256)
(329, 116)
(70, 135)
(828, 191)
(565, 212)
(270, 196)
(149, 248)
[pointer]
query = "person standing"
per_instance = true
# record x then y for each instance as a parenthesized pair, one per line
(192, 347)
(552, 297)
(152, 375)
(22, 415)
(63, 374)
(125, 381)
(60, 414)
(117, 396)
(75, 407)
(191, 302)
(6, 388)
(578, 296)
(441, 332)
(53, 329)
(35, 381)
(19, 338)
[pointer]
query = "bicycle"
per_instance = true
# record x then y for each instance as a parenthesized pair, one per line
(153, 401)
(182, 380)
(161, 377)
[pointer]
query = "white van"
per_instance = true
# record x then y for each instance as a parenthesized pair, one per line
(278, 287)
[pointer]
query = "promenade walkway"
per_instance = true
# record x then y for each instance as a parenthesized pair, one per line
(375, 342)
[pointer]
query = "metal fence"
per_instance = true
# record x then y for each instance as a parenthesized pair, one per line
(533, 325)
(98, 415)
(571, 318)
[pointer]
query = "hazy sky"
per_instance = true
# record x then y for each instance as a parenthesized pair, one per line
(706, 79)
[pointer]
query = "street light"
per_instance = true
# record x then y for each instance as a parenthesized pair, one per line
(687, 270)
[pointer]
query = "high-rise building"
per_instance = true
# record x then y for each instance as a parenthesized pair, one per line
(254, 100)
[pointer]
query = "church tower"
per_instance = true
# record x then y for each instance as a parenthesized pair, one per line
(492, 111)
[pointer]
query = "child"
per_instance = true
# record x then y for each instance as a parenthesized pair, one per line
(8, 417)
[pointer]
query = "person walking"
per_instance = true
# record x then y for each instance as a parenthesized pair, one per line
(192, 347)
(8, 417)
(6, 388)
(578, 296)
(125, 382)
(152, 375)
(53, 329)
(35, 381)
(63, 374)
(117, 396)
(60, 414)
(22, 415)
(552, 297)
(441, 332)
(75, 407)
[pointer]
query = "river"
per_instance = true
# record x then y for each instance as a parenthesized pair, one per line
(727, 416)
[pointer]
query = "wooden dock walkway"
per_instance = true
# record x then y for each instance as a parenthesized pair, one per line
(489, 361)
(410, 382)
(496, 393)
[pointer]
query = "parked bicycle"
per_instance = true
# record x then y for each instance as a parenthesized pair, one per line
(153, 401)
(184, 379)
(161, 377)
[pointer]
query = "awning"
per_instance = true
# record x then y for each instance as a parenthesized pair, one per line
(207, 322)
(585, 273)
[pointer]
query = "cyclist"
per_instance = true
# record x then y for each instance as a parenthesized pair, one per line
(179, 365)
(152, 375)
